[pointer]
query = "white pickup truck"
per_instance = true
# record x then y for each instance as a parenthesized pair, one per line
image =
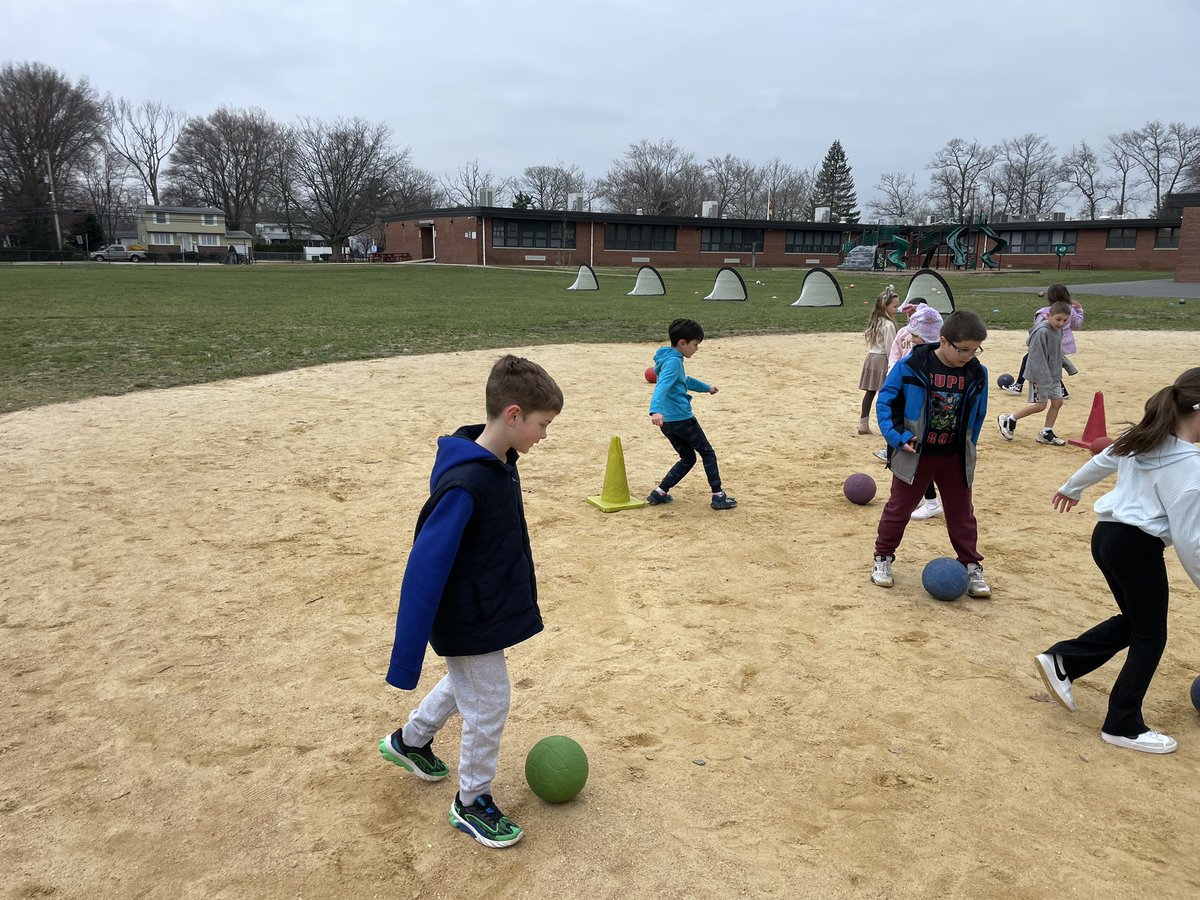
(119, 252)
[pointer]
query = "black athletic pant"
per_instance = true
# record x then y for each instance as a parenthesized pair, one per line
(1132, 564)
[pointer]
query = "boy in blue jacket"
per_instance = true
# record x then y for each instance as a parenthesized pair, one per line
(671, 410)
(469, 591)
(930, 409)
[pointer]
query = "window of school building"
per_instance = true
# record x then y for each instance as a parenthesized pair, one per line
(731, 240)
(1121, 239)
(800, 241)
(1041, 240)
(535, 233)
(639, 237)
(1167, 239)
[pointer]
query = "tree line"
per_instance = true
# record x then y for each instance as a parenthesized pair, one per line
(65, 147)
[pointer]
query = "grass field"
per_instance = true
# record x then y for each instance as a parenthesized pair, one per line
(69, 332)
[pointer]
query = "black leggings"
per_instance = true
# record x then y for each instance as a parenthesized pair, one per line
(868, 399)
(1132, 564)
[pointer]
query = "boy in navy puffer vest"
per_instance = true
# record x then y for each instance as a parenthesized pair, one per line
(469, 591)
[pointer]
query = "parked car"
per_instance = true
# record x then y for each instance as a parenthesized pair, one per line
(119, 252)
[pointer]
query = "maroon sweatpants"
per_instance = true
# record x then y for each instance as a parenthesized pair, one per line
(947, 473)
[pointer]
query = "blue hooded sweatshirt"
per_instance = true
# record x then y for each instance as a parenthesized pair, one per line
(671, 397)
(468, 587)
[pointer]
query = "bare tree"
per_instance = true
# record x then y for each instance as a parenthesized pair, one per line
(785, 191)
(658, 178)
(1084, 171)
(958, 168)
(734, 184)
(1164, 153)
(1027, 177)
(225, 160)
(415, 188)
(345, 171)
(897, 198)
(1128, 186)
(144, 136)
(462, 186)
(48, 127)
(549, 186)
(109, 188)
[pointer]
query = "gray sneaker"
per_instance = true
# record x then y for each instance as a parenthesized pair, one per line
(977, 585)
(881, 572)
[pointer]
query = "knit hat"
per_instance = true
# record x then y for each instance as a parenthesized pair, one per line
(926, 323)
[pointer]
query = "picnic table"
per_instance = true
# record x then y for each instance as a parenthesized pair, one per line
(390, 257)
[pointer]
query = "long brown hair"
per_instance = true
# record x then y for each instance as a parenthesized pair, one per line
(1164, 411)
(880, 312)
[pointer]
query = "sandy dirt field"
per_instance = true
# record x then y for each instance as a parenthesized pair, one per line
(199, 588)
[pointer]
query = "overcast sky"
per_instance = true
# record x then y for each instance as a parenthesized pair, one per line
(520, 83)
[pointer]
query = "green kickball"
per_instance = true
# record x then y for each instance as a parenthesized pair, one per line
(556, 768)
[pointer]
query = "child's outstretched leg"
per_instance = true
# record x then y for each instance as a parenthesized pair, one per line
(411, 747)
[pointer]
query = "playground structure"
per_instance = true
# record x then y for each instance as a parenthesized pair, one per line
(930, 246)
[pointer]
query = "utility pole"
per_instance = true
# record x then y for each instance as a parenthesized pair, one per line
(53, 203)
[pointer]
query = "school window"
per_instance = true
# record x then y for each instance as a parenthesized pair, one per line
(210, 240)
(535, 233)
(1041, 240)
(639, 237)
(1167, 239)
(162, 218)
(804, 241)
(208, 219)
(162, 237)
(731, 240)
(1121, 239)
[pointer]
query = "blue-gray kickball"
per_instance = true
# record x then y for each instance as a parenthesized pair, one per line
(945, 578)
(1196, 694)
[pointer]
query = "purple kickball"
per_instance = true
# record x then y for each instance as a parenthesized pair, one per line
(859, 488)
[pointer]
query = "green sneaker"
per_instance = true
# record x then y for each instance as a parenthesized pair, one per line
(483, 821)
(418, 760)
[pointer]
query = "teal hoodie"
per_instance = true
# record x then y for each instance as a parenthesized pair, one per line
(671, 397)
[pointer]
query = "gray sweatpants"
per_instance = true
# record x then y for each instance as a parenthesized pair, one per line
(477, 687)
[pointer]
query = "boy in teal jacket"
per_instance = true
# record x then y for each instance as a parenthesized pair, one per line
(671, 410)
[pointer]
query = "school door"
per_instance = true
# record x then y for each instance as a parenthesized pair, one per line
(426, 242)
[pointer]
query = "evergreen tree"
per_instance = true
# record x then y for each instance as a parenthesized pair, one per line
(835, 186)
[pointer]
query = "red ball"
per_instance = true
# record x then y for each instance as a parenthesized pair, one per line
(651, 375)
(1098, 445)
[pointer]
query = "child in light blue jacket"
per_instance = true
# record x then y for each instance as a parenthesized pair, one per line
(671, 410)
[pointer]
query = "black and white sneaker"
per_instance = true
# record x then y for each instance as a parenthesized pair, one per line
(1015, 388)
(1008, 426)
(1047, 436)
(1049, 666)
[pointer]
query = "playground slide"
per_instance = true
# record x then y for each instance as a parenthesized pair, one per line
(897, 253)
(1000, 246)
(958, 247)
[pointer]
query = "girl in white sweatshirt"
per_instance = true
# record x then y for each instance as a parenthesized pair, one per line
(1156, 503)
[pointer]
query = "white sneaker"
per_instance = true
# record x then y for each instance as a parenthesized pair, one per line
(1008, 426)
(1056, 680)
(977, 586)
(1015, 388)
(1147, 742)
(881, 572)
(881, 454)
(927, 510)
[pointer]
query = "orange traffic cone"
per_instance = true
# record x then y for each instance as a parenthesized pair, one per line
(615, 494)
(1095, 427)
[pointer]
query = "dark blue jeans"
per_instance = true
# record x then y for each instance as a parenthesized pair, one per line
(1132, 564)
(687, 437)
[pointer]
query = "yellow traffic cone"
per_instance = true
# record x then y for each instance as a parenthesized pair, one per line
(615, 494)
